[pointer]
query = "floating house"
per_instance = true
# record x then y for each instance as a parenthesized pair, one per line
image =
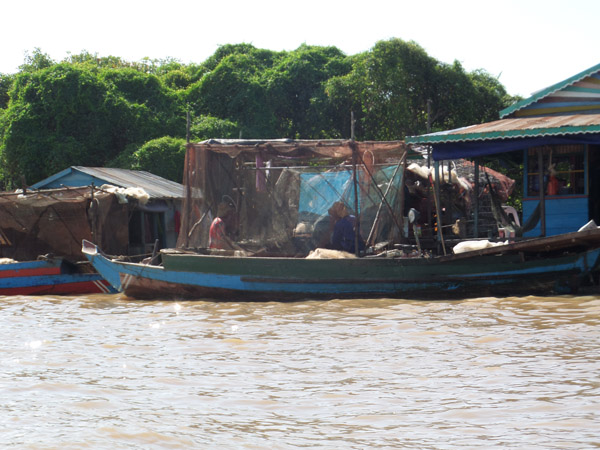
(558, 131)
(156, 217)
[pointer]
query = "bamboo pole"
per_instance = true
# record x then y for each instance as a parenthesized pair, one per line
(438, 208)
(356, 213)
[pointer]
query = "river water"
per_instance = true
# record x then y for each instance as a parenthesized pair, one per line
(107, 372)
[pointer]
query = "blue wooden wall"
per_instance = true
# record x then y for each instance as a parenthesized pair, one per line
(563, 214)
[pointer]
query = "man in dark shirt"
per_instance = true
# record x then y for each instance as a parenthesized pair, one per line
(344, 231)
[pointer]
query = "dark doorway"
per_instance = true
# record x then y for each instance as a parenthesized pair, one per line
(594, 182)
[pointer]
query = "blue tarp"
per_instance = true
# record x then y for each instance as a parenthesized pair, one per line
(318, 191)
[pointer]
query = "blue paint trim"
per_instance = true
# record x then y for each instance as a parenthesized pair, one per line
(107, 269)
(47, 280)
(563, 104)
(550, 90)
(51, 179)
(238, 282)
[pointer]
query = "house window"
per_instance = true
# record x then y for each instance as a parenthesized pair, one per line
(563, 169)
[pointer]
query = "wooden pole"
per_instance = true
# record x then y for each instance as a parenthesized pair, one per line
(356, 214)
(438, 208)
(428, 115)
(188, 125)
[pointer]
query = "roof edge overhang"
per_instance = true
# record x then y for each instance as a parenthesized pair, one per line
(338, 148)
(549, 90)
(474, 149)
(443, 138)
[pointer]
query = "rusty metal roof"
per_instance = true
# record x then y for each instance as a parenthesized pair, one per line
(516, 128)
(156, 187)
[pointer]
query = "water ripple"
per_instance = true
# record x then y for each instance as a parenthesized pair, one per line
(108, 372)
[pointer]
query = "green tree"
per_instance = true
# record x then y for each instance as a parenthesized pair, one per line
(6, 82)
(208, 127)
(296, 89)
(71, 114)
(397, 90)
(57, 117)
(233, 91)
(491, 96)
(155, 108)
(36, 61)
(164, 157)
(343, 97)
(177, 79)
(93, 110)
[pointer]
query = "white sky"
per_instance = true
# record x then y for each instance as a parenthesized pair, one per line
(529, 44)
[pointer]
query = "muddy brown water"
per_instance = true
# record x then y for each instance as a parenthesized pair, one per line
(108, 372)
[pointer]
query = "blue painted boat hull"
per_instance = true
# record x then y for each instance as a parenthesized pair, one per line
(187, 275)
(50, 276)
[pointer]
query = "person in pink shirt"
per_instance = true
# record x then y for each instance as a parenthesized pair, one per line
(218, 235)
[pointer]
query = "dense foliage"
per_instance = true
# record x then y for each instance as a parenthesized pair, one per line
(104, 111)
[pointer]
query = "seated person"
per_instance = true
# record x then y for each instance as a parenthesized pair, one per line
(344, 231)
(218, 235)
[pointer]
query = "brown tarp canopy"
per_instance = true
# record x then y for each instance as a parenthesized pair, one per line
(55, 221)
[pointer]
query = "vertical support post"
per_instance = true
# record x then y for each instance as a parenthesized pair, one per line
(188, 126)
(428, 115)
(438, 208)
(542, 191)
(476, 193)
(93, 216)
(355, 183)
(143, 230)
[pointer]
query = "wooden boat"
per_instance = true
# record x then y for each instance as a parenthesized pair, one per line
(52, 223)
(54, 276)
(281, 191)
(542, 266)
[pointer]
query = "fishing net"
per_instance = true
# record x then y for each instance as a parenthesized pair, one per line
(280, 192)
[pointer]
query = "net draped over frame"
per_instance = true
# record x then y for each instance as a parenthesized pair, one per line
(281, 190)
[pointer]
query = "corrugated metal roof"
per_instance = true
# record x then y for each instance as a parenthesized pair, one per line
(515, 128)
(155, 186)
(577, 93)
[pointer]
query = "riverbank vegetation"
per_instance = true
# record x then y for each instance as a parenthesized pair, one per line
(92, 110)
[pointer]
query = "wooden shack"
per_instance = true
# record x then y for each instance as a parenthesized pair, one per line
(155, 215)
(557, 130)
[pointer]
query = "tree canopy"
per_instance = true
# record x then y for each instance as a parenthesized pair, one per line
(104, 111)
